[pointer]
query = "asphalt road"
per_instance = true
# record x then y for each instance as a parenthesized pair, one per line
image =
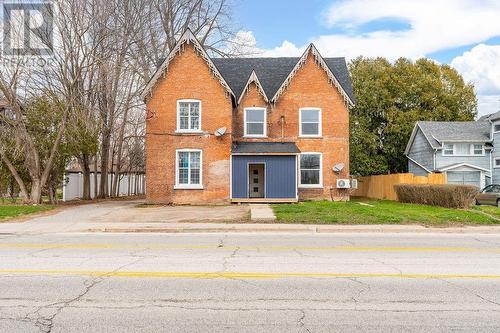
(284, 282)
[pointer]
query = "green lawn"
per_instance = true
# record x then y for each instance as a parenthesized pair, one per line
(379, 212)
(10, 211)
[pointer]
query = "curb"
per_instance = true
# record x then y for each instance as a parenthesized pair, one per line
(301, 228)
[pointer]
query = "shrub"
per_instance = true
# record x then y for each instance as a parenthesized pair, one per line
(447, 195)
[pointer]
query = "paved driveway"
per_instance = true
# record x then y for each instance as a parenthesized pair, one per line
(126, 214)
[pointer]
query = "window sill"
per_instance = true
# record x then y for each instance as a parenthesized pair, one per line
(310, 137)
(255, 136)
(188, 132)
(311, 186)
(188, 187)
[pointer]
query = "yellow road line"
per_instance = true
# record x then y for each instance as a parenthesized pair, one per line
(240, 275)
(248, 248)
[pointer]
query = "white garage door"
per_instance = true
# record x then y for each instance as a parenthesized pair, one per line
(464, 177)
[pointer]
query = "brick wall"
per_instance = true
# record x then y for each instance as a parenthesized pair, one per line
(308, 88)
(188, 77)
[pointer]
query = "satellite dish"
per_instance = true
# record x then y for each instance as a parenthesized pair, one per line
(338, 167)
(220, 131)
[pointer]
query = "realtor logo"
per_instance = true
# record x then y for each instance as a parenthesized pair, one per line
(28, 29)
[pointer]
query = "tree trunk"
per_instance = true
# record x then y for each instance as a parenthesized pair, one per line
(17, 177)
(36, 191)
(96, 184)
(106, 140)
(85, 165)
(52, 194)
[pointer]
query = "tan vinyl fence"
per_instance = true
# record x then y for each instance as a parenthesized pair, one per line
(382, 186)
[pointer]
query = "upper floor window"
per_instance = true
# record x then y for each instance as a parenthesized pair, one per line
(496, 128)
(310, 122)
(463, 149)
(188, 168)
(188, 115)
(255, 122)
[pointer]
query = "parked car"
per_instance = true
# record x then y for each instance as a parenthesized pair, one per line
(490, 195)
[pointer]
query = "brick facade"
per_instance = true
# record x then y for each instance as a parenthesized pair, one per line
(308, 88)
(189, 77)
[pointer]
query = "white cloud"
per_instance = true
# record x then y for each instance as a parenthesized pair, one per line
(481, 66)
(487, 104)
(434, 25)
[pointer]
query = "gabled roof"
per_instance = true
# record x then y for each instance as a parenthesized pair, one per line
(273, 74)
(265, 148)
(253, 79)
(437, 132)
(187, 37)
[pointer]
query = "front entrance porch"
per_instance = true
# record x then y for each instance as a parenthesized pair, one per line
(264, 172)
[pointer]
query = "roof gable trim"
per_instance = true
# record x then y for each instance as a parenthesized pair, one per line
(416, 128)
(187, 38)
(321, 62)
(253, 78)
(454, 166)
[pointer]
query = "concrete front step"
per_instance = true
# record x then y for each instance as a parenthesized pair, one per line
(261, 212)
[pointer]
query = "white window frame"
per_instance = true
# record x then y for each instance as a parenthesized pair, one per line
(320, 123)
(188, 186)
(495, 124)
(245, 134)
(471, 149)
(179, 130)
(320, 185)
(495, 162)
(445, 149)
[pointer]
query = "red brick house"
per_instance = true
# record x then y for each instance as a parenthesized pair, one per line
(246, 129)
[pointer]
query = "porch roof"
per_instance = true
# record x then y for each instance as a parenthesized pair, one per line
(265, 148)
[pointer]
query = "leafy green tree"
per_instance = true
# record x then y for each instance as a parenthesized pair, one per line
(390, 98)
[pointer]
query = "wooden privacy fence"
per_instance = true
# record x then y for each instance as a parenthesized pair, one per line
(382, 186)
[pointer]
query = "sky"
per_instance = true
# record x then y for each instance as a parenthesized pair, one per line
(462, 33)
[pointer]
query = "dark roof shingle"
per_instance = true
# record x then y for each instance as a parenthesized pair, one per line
(265, 148)
(439, 131)
(272, 72)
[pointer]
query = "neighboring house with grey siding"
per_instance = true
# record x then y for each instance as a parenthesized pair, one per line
(464, 150)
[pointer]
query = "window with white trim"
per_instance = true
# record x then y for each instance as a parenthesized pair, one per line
(463, 149)
(496, 128)
(497, 162)
(310, 170)
(188, 168)
(310, 122)
(255, 122)
(188, 116)
(448, 149)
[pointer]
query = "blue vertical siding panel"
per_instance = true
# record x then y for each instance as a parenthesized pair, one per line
(280, 177)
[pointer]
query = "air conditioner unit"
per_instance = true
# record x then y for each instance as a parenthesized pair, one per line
(354, 183)
(343, 183)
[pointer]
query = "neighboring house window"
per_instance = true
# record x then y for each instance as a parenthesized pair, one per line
(188, 116)
(310, 122)
(255, 122)
(478, 149)
(497, 162)
(496, 128)
(448, 149)
(188, 168)
(463, 149)
(311, 170)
